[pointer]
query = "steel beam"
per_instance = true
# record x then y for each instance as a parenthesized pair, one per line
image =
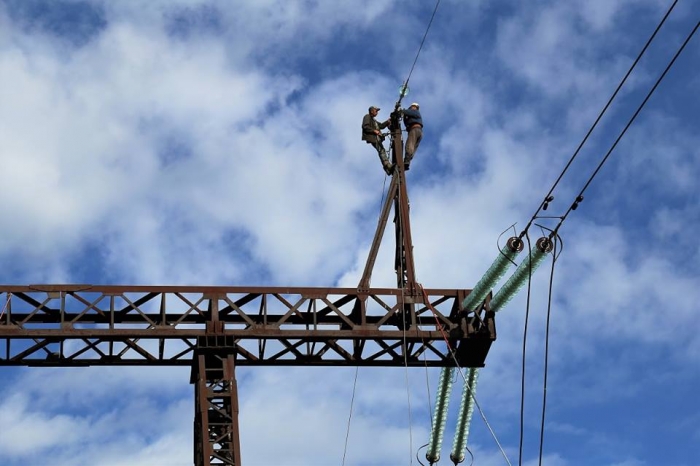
(68, 325)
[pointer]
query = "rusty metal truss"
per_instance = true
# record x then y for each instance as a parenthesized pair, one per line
(214, 329)
(74, 325)
(216, 439)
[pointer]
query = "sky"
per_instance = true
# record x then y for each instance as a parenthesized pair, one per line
(174, 142)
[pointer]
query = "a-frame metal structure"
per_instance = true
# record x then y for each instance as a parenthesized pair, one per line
(213, 329)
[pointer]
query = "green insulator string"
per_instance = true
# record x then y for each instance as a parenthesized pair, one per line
(493, 275)
(466, 410)
(442, 402)
(526, 268)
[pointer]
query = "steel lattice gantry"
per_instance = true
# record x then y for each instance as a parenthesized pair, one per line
(213, 329)
(75, 325)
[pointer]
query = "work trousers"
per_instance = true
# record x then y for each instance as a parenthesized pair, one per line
(415, 134)
(381, 152)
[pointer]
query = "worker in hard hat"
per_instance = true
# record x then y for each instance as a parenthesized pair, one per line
(414, 125)
(372, 134)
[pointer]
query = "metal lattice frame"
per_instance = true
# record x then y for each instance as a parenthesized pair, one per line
(121, 325)
(216, 440)
(213, 329)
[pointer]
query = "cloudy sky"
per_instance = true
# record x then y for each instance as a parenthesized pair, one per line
(218, 142)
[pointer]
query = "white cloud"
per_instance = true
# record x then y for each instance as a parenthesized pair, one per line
(232, 154)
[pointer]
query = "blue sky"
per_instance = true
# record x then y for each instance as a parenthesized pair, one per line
(209, 142)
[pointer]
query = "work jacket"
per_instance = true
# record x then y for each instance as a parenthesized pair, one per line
(369, 125)
(412, 117)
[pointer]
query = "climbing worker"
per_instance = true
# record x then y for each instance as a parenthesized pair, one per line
(414, 125)
(372, 134)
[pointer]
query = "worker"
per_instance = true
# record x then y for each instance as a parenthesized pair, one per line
(414, 125)
(372, 134)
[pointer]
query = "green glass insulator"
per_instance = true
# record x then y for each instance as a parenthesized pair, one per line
(493, 275)
(466, 410)
(526, 268)
(442, 403)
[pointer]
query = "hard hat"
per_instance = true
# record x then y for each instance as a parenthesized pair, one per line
(414, 104)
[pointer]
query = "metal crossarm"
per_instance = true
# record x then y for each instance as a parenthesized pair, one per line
(69, 325)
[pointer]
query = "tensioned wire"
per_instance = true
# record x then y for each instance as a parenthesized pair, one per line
(430, 23)
(546, 350)
(579, 198)
(522, 373)
(600, 115)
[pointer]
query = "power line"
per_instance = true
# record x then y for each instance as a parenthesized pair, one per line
(546, 350)
(522, 373)
(548, 198)
(579, 198)
(405, 84)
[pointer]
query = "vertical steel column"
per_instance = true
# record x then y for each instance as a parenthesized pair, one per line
(405, 268)
(216, 433)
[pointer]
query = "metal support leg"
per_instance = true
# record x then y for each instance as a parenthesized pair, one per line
(216, 439)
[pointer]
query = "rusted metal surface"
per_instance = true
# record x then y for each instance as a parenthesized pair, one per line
(214, 329)
(398, 196)
(378, 234)
(65, 325)
(403, 263)
(216, 430)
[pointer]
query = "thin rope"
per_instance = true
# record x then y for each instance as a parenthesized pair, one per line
(357, 368)
(384, 190)
(7, 303)
(408, 397)
(427, 385)
(352, 403)
(600, 115)
(481, 412)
